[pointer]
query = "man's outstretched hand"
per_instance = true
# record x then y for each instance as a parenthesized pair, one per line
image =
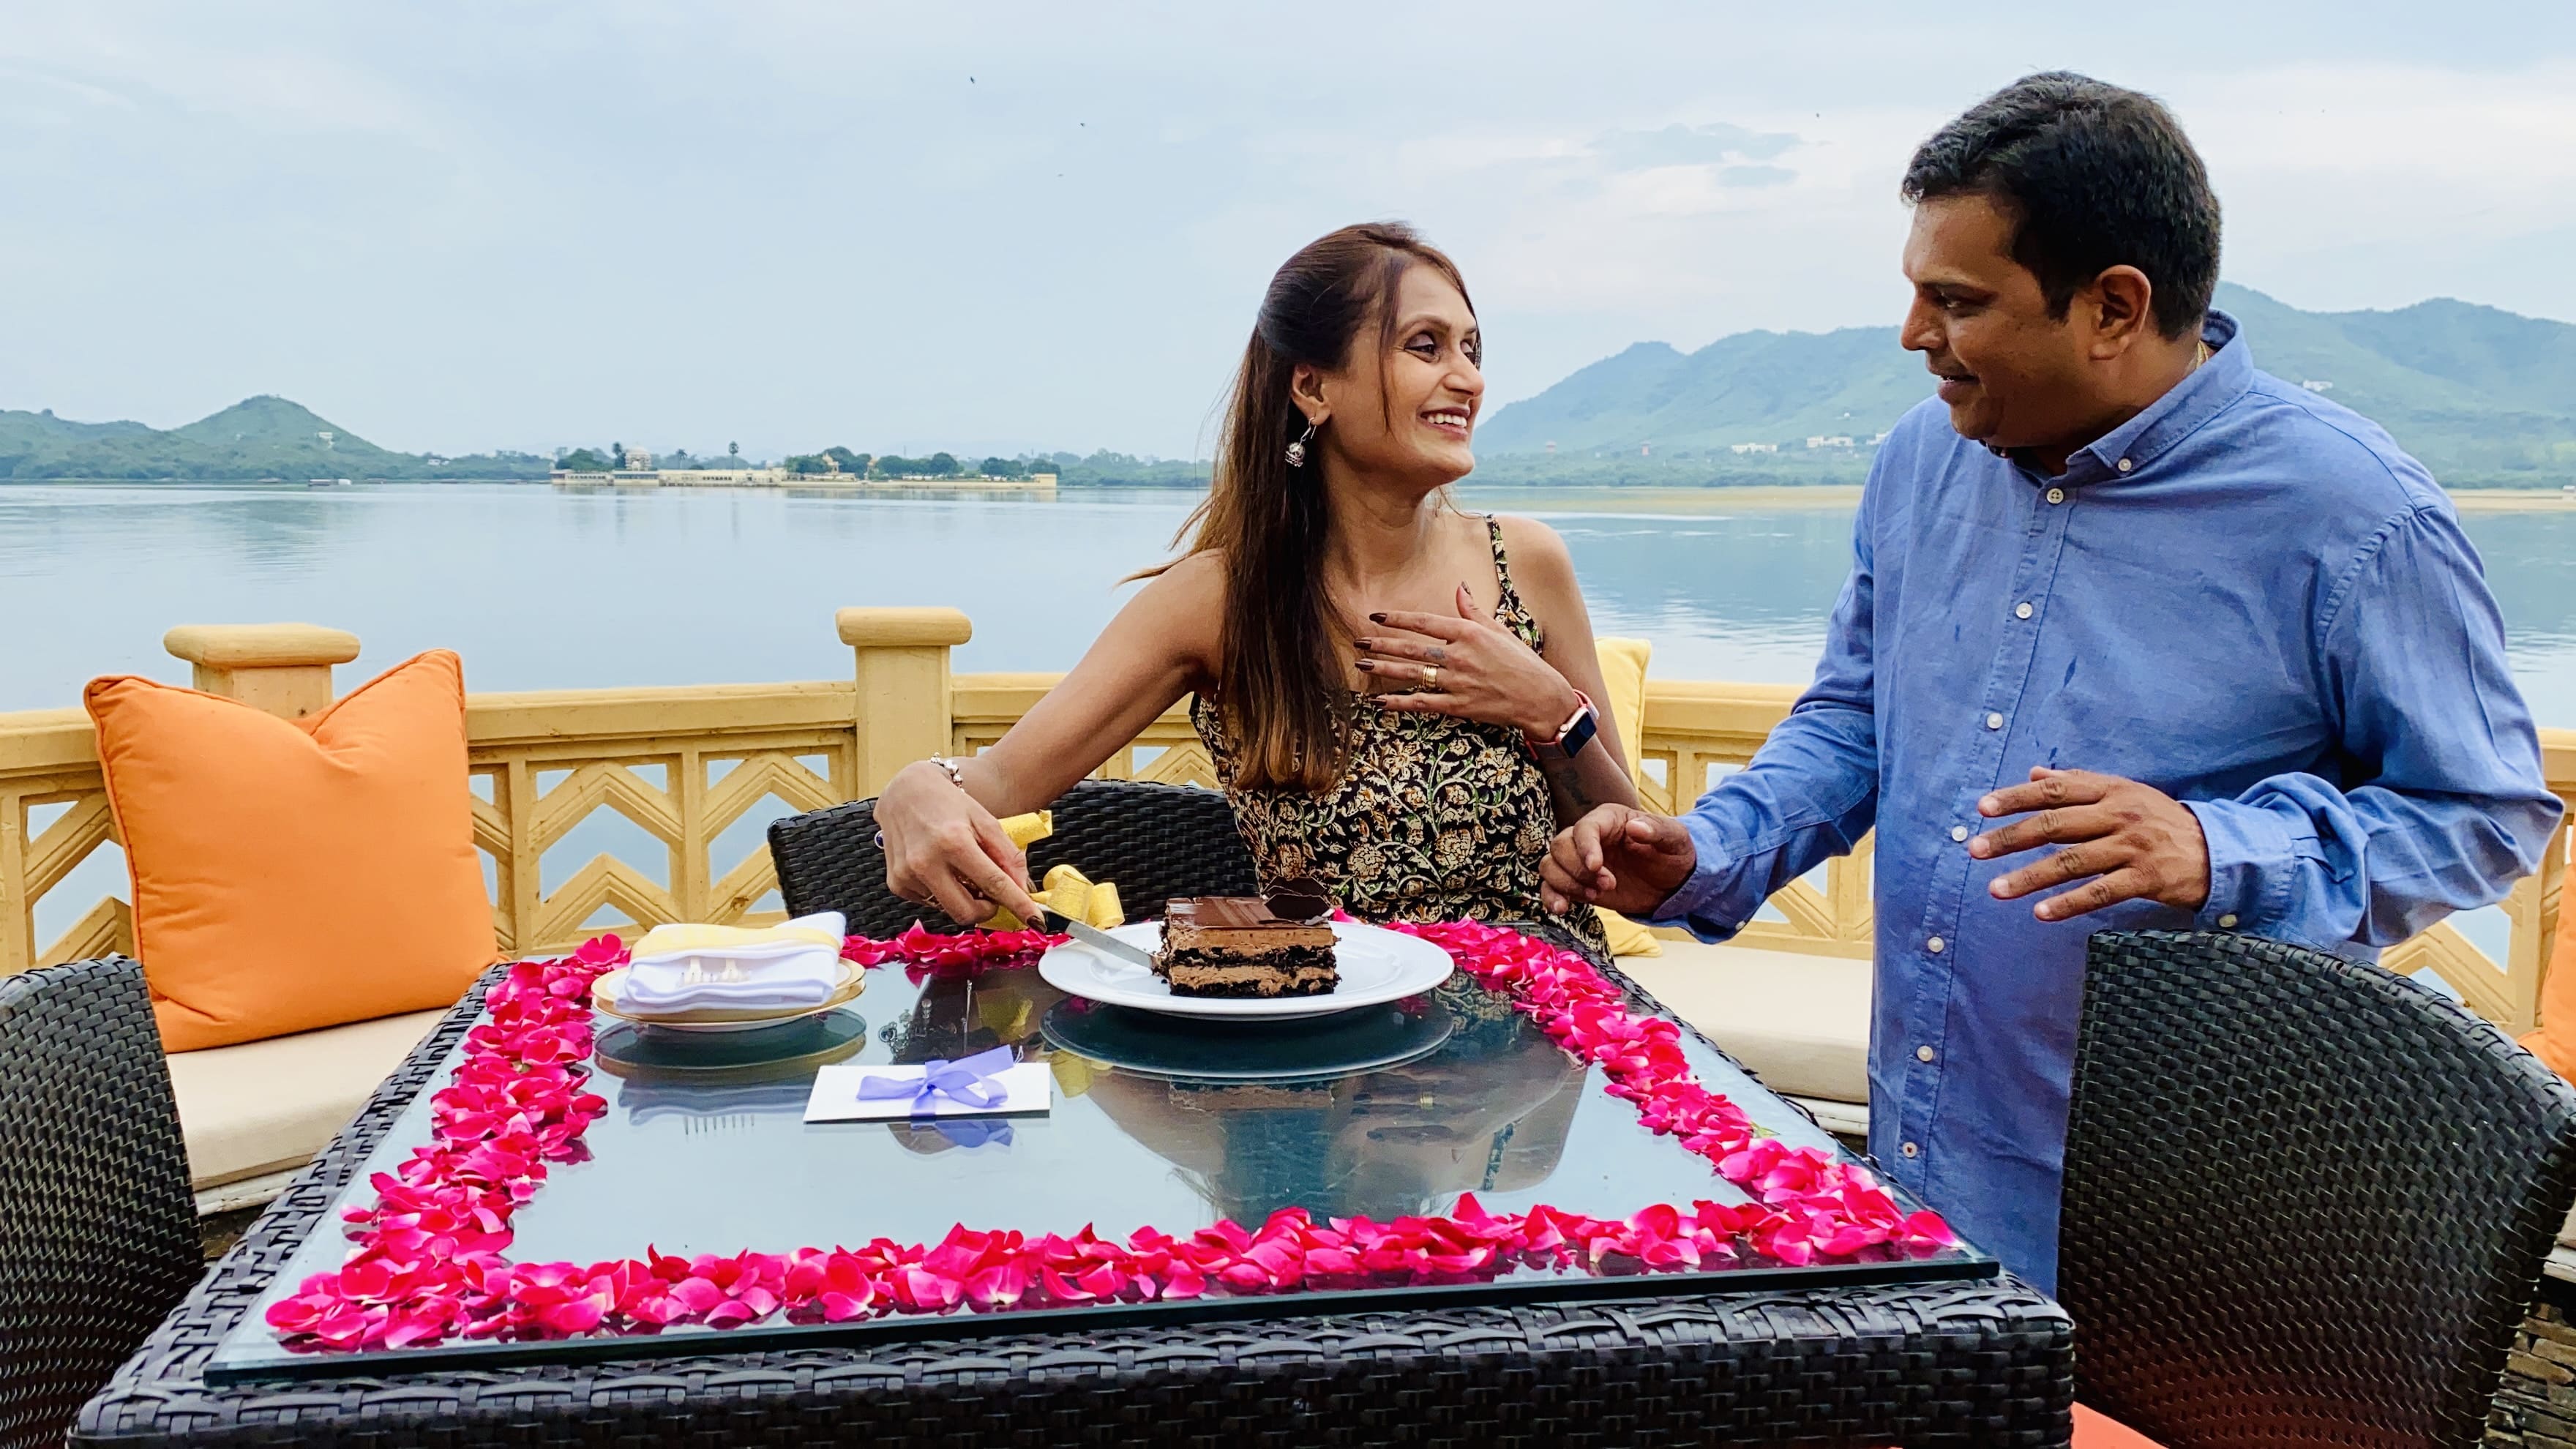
(1617, 856)
(2133, 841)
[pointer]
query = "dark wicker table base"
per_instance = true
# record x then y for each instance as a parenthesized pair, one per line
(1953, 1364)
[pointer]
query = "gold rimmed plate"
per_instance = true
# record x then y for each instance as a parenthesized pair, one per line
(606, 991)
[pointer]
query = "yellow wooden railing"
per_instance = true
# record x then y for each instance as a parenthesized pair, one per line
(685, 764)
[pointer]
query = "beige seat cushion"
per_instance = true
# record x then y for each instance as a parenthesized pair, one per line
(267, 1105)
(1800, 1022)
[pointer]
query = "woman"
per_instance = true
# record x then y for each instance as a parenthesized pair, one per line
(1396, 694)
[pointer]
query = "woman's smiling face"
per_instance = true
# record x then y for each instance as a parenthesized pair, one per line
(1410, 415)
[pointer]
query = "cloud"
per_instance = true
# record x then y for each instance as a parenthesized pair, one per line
(1680, 145)
(445, 227)
(2379, 183)
(1755, 176)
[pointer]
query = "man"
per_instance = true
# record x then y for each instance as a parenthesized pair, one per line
(2216, 640)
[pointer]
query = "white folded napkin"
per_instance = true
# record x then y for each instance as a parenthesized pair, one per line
(696, 968)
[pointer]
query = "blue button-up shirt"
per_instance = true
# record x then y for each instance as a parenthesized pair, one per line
(2246, 597)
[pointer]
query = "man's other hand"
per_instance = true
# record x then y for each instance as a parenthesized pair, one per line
(1619, 857)
(2125, 840)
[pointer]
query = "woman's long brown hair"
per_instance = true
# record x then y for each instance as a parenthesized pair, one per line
(1283, 687)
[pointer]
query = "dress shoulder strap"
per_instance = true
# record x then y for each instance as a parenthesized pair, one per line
(1508, 608)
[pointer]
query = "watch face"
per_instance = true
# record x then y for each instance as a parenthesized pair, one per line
(1580, 733)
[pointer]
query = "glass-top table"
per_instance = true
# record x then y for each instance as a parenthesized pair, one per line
(1166, 1122)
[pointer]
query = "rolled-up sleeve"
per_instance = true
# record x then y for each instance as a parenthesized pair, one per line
(2441, 804)
(1811, 791)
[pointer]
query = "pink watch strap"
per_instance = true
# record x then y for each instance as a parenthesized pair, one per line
(1582, 706)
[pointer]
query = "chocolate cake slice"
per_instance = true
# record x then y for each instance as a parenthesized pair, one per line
(1279, 945)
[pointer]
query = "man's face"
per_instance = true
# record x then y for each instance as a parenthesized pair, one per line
(2013, 376)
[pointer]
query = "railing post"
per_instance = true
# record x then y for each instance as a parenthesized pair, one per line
(284, 669)
(903, 707)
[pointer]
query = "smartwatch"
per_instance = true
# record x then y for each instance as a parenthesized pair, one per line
(1578, 730)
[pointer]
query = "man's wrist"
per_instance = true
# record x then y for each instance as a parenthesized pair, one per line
(1692, 901)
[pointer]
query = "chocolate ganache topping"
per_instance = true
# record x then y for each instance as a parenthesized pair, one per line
(1301, 899)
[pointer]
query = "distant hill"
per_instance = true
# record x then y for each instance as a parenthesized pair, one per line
(2483, 396)
(258, 438)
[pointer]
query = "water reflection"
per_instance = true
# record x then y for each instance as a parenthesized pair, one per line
(1488, 1112)
(956, 1018)
(723, 1079)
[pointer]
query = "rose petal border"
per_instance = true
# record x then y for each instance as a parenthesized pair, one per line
(428, 1260)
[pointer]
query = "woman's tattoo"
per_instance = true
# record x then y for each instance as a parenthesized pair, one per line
(1565, 774)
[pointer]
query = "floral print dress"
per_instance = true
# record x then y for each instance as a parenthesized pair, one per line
(1433, 819)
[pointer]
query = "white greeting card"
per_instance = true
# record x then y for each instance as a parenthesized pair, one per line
(1025, 1087)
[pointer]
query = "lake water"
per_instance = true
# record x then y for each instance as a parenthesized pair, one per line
(539, 588)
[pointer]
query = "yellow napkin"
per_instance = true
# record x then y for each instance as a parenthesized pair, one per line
(680, 938)
(1065, 891)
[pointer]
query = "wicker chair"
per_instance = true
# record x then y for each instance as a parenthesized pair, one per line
(98, 1235)
(1154, 841)
(2306, 1200)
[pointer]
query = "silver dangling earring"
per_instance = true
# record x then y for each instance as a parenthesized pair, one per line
(1297, 449)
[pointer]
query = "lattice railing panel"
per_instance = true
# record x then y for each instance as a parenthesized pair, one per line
(1680, 765)
(707, 786)
(616, 787)
(39, 854)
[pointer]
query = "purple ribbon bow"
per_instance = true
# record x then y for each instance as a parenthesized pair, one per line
(969, 1083)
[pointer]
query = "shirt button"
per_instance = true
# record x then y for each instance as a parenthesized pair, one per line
(2227, 922)
(1958, 832)
(2021, 611)
(2056, 495)
(1994, 721)
(1923, 1054)
(2124, 465)
(1936, 945)
(1910, 1150)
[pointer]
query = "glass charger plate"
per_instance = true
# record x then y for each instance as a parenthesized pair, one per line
(1368, 1039)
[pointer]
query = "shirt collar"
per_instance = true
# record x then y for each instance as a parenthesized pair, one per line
(2202, 395)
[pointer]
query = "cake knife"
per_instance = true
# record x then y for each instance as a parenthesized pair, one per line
(1099, 940)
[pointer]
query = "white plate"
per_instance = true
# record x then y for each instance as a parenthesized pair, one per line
(1375, 965)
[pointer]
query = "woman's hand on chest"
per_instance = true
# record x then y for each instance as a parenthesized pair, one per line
(1464, 664)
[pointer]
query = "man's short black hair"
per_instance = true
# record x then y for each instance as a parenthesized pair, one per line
(2093, 176)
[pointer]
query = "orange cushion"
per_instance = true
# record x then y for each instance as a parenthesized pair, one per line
(2092, 1431)
(294, 874)
(2555, 1042)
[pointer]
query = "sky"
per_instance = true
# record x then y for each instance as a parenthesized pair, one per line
(1003, 227)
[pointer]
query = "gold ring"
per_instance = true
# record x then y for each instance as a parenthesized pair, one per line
(1431, 676)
